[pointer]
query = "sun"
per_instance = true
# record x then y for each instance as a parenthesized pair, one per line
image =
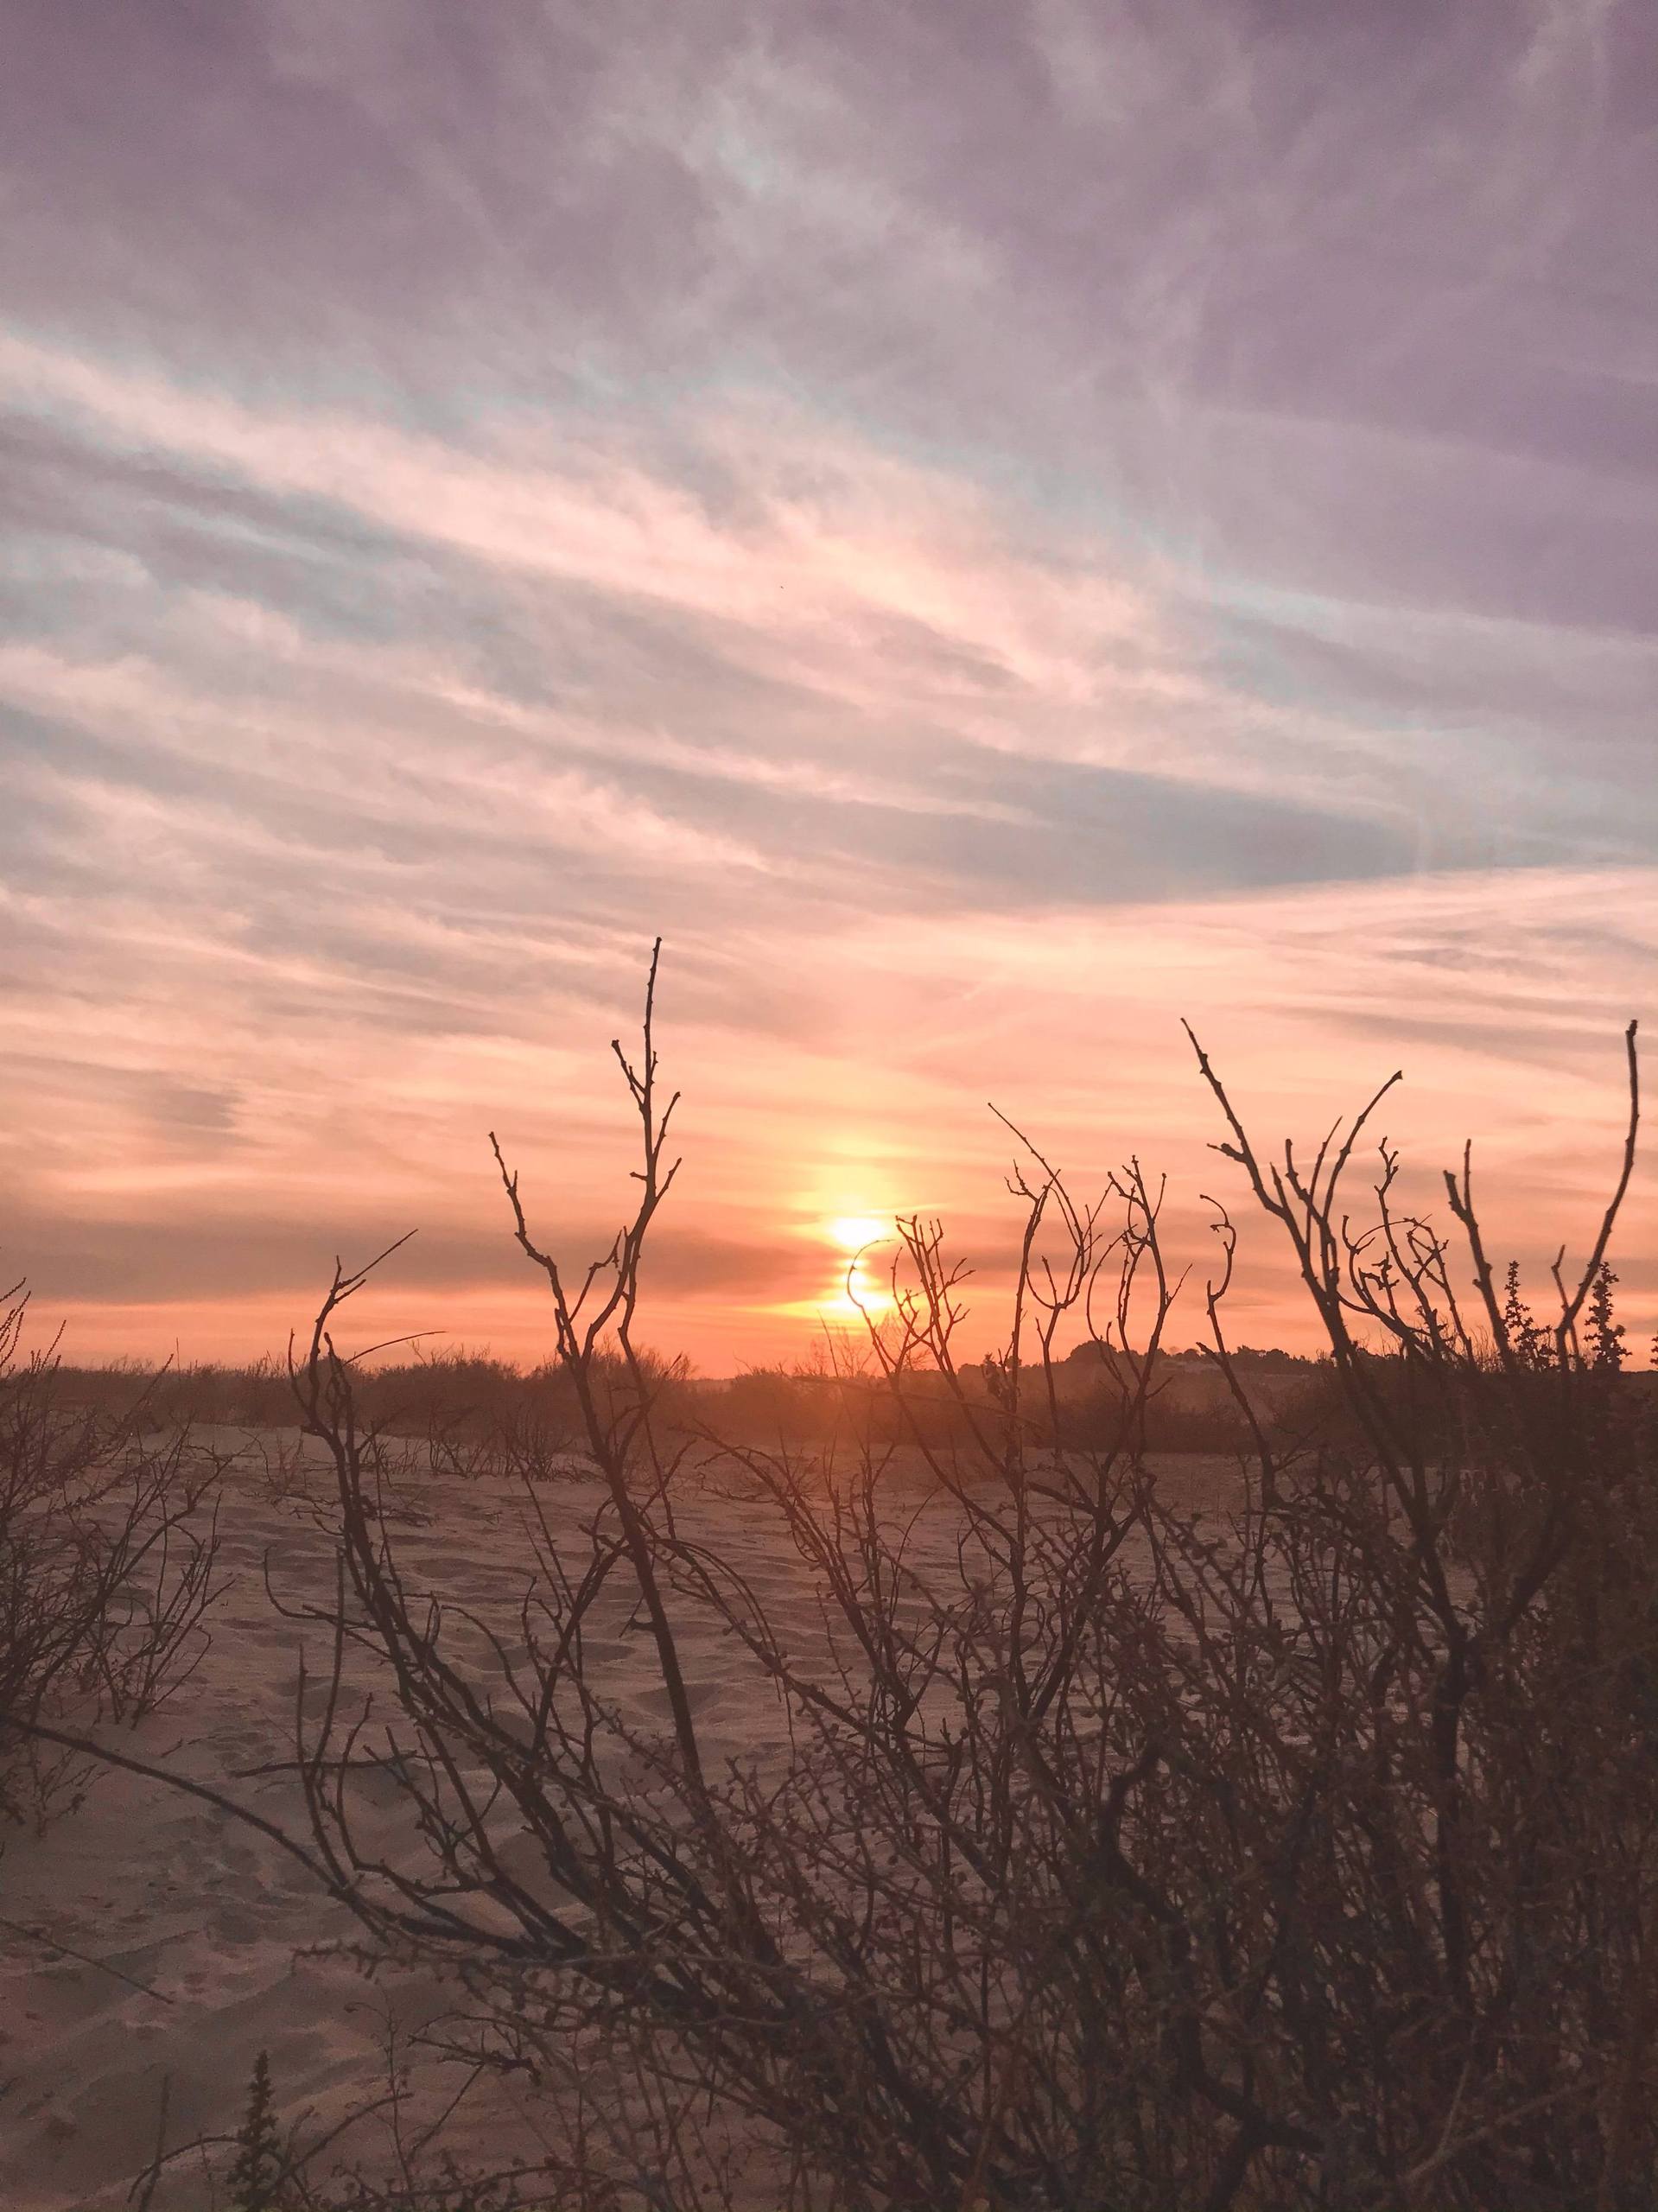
(852, 1231)
(854, 1295)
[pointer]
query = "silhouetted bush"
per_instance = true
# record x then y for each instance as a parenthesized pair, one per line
(108, 1544)
(1300, 1861)
(1305, 1863)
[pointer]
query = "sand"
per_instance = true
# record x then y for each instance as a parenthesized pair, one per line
(216, 1923)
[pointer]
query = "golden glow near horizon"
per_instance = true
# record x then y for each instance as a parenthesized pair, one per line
(857, 1297)
(853, 1231)
(856, 1292)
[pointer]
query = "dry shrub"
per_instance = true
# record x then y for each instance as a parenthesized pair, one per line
(108, 1543)
(483, 1417)
(1309, 1860)
(468, 1413)
(198, 1394)
(1124, 1860)
(271, 2164)
(1184, 1409)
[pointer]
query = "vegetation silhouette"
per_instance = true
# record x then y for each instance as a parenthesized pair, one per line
(1304, 1859)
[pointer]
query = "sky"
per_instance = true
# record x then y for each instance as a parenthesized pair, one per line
(990, 526)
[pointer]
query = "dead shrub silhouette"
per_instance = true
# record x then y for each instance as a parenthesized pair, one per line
(270, 2164)
(108, 1546)
(1306, 1860)
(1110, 1858)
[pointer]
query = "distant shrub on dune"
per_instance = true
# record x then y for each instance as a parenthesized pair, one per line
(200, 1394)
(470, 1412)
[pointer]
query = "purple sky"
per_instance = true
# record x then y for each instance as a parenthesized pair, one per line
(991, 526)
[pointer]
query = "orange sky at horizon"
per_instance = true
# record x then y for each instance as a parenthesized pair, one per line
(790, 1146)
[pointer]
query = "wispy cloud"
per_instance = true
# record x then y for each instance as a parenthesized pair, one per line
(988, 536)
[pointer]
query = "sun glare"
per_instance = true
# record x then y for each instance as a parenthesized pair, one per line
(852, 1231)
(856, 1290)
(854, 1300)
